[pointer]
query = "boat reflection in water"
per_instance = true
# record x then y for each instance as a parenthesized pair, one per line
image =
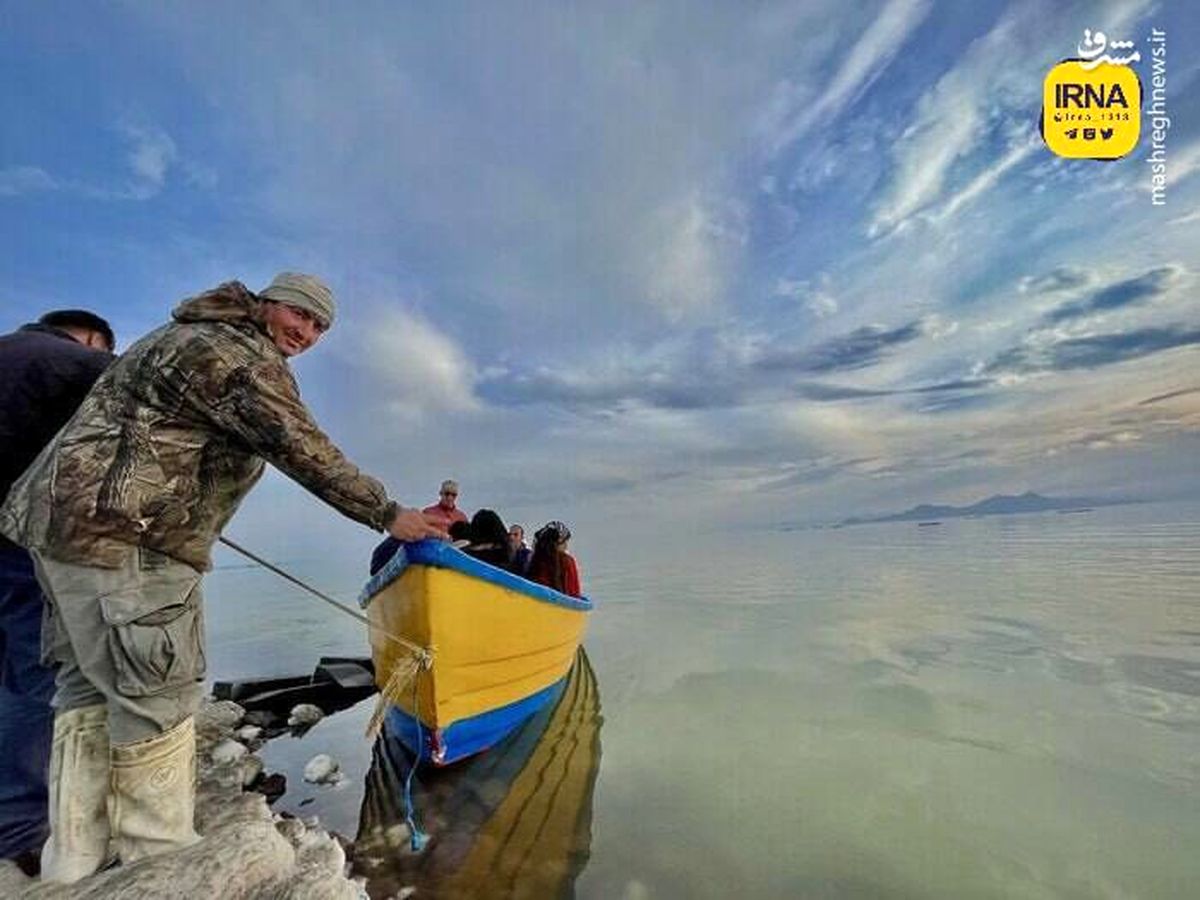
(514, 821)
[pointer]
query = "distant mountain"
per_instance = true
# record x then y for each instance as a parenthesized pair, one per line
(998, 505)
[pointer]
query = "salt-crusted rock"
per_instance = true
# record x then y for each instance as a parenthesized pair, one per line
(248, 733)
(321, 769)
(292, 829)
(252, 767)
(304, 715)
(215, 721)
(222, 713)
(227, 753)
(318, 875)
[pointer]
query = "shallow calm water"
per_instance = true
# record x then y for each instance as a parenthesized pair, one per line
(998, 707)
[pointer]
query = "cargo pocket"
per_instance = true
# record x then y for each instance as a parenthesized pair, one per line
(156, 628)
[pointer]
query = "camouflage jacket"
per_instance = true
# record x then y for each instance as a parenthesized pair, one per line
(172, 437)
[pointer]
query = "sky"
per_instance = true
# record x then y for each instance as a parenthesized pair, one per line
(640, 266)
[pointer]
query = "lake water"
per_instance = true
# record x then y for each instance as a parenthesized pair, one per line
(999, 707)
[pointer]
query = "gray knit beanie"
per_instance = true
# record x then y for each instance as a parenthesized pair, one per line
(304, 291)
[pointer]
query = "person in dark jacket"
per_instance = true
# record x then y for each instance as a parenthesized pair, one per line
(46, 369)
(521, 554)
(489, 539)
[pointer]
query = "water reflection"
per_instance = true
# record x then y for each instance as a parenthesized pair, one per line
(513, 822)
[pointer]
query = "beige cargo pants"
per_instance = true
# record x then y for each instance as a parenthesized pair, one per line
(131, 638)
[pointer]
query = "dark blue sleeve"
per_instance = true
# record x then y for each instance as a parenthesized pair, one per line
(383, 553)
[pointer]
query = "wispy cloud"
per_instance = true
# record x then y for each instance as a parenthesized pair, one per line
(1127, 292)
(862, 347)
(1062, 278)
(816, 297)
(151, 155)
(1170, 395)
(949, 122)
(1020, 151)
(17, 180)
(1091, 352)
(883, 39)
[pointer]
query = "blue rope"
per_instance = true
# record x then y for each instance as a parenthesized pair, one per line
(418, 838)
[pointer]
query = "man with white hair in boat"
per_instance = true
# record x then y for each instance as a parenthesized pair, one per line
(446, 512)
(120, 512)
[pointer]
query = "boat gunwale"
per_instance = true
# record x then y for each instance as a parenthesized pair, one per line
(441, 555)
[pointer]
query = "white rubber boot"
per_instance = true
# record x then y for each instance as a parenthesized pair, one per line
(153, 793)
(78, 842)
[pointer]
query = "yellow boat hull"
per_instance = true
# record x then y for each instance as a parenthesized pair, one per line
(496, 643)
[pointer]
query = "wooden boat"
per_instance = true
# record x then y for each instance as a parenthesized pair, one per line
(497, 647)
(512, 822)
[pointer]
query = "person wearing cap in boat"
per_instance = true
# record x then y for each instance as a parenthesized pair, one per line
(120, 512)
(446, 512)
(551, 564)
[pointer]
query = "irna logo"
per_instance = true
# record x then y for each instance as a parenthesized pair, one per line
(1091, 106)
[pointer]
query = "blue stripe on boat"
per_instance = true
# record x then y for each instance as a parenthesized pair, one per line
(445, 556)
(472, 735)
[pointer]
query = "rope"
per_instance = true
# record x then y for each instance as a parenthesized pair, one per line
(416, 649)
(417, 838)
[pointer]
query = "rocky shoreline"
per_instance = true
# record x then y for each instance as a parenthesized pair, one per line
(246, 852)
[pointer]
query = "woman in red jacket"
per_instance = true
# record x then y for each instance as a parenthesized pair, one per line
(551, 564)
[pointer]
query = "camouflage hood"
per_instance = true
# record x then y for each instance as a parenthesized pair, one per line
(171, 439)
(229, 302)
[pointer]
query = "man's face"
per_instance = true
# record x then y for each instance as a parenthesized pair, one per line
(292, 329)
(516, 536)
(448, 498)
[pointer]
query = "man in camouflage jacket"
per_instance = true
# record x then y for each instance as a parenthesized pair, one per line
(120, 512)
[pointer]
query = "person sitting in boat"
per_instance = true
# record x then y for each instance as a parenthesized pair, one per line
(445, 512)
(521, 553)
(459, 532)
(489, 539)
(551, 564)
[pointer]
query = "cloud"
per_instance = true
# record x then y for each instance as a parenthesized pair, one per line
(151, 157)
(1170, 395)
(1062, 278)
(1193, 216)
(686, 267)
(421, 368)
(985, 180)
(816, 298)
(17, 180)
(949, 122)
(1181, 165)
(1091, 352)
(870, 56)
(864, 346)
(1130, 291)
(711, 370)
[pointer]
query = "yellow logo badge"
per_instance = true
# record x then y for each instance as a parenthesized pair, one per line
(1092, 107)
